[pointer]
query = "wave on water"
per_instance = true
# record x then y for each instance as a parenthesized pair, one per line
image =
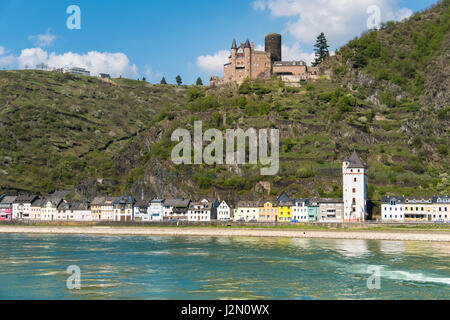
(401, 275)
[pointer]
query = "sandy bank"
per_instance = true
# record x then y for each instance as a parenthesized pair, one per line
(222, 232)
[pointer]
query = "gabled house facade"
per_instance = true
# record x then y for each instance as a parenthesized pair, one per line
(22, 207)
(49, 209)
(300, 210)
(6, 208)
(268, 212)
(141, 212)
(107, 209)
(285, 211)
(156, 209)
(247, 211)
(331, 210)
(224, 211)
(176, 209)
(203, 211)
(124, 209)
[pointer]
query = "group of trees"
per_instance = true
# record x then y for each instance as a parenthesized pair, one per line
(179, 81)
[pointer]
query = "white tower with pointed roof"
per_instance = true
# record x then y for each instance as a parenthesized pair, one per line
(355, 188)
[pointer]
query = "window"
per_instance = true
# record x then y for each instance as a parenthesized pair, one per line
(354, 180)
(354, 190)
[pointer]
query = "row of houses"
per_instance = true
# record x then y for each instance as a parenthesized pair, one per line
(410, 209)
(126, 208)
(352, 207)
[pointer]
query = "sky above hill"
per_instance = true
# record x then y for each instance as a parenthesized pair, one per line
(155, 38)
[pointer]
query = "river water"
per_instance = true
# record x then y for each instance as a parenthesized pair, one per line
(157, 267)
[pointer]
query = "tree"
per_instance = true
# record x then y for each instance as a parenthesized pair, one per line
(178, 80)
(163, 80)
(199, 81)
(321, 49)
(143, 79)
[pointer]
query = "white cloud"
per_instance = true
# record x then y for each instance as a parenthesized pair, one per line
(213, 63)
(152, 74)
(259, 5)
(340, 20)
(6, 60)
(43, 40)
(295, 53)
(115, 64)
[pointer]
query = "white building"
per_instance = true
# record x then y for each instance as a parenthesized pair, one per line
(441, 209)
(224, 211)
(205, 210)
(176, 209)
(156, 209)
(49, 209)
(247, 211)
(21, 207)
(142, 212)
(124, 209)
(393, 209)
(300, 210)
(35, 209)
(354, 188)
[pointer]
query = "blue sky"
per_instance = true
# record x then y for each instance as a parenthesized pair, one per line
(139, 38)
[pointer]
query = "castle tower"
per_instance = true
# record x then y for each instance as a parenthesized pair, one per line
(248, 58)
(233, 49)
(354, 188)
(273, 46)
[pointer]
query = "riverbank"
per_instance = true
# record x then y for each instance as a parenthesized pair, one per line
(399, 235)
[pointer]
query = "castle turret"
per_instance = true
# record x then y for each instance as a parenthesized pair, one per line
(354, 188)
(233, 49)
(273, 46)
(248, 58)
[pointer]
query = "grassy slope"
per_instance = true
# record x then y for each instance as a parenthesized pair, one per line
(61, 131)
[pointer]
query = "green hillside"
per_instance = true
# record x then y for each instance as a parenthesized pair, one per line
(387, 99)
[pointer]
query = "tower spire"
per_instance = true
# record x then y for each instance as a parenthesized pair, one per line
(234, 46)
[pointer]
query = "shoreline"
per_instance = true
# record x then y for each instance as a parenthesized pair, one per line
(403, 235)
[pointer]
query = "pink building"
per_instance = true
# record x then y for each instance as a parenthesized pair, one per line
(6, 208)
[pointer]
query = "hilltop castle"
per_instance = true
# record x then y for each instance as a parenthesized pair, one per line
(246, 62)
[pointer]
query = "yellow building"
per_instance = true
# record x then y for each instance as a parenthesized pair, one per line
(268, 212)
(418, 209)
(285, 212)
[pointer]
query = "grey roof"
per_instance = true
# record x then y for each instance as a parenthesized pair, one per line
(423, 200)
(38, 202)
(143, 203)
(25, 198)
(79, 205)
(283, 198)
(306, 201)
(248, 204)
(354, 161)
(177, 202)
(441, 199)
(8, 199)
(330, 200)
(247, 44)
(387, 199)
(98, 201)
